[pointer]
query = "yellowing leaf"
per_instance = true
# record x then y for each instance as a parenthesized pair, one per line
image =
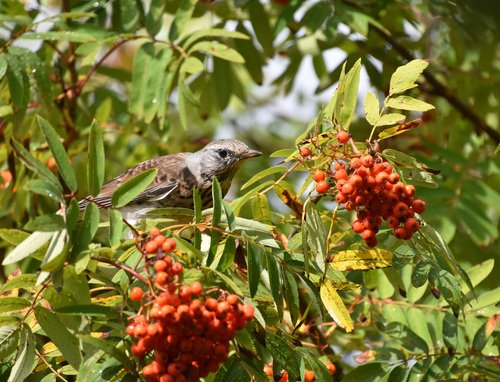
(405, 76)
(371, 108)
(335, 306)
(362, 259)
(408, 103)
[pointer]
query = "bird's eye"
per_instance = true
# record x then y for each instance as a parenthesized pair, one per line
(223, 153)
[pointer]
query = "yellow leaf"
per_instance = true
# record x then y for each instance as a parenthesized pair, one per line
(361, 259)
(335, 306)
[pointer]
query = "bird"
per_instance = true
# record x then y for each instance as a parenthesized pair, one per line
(177, 176)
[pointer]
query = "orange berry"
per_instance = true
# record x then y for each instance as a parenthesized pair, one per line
(136, 294)
(340, 198)
(367, 234)
(322, 187)
(169, 245)
(356, 181)
(151, 247)
(309, 376)
(196, 288)
(319, 176)
(340, 174)
(154, 232)
(332, 369)
(6, 177)
(347, 189)
(355, 163)
(161, 278)
(305, 152)
(176, 268)
(211, 304)
(248, 311)
(160, 265)
(357, 226)
(409, 190)
(367, 160)
(394, 177)
(419, 206)
(160, 239)
(343, 137)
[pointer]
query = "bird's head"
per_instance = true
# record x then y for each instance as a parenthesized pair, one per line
(222, 158)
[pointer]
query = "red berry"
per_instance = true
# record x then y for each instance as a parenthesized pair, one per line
(169, 245)
(412, 225)
(151, 247)
(309, 376)
(268, 370)
(196, 288)
(356, 180)
(332, 369)
(347, 189)
(160, 239)
(343, 137)
(367, 234)
(154, 232)
(176, 268)
(136, 294)
(419, 206)
(400, 210)
(305, 152)
(367, 160)
(319, 176)
(160, 265)
(322, 187)
(357, 226)
(340, 174)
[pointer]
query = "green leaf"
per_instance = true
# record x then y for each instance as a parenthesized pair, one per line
(263, 174)
(292, 296)
(361, 259)
(232, 370)
(275, 282)
(34, 165)
(87, 228)
(218, 50)
(18, 82)
(129, 15)
(12, 304)
(254, 255)
(420, 273)
(478, 273)
(13, 236)
(216, 216)
(408, 338)
(254, 60)
(347, 96)
(284, 354)
(372, 108)
(315, 235)
(182, 16)
(24, 281)
(450, 330)
(42, 187)
(227, 257)
(46, 223)
(335, 306)
(56, 254)
(369, 372)
(154, 18)
(449, 288)
(115, 227)
(34, 242)
(69, 36)
(66, 342)
(405, 76)
(261, 26)
(129, 190)
(108, 347)
(3, 67)
(25, 359)
(155, 86)
(230, 219)
(95, 169)
(261, 210)
(140, 77)
(390, 119)
(9, 338)
(192, 65)
(211, 33)
(408, 103)
(417, 321)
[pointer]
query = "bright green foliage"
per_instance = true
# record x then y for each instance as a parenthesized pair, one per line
(112, 84)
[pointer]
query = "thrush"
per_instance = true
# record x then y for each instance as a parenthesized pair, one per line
(177, 176)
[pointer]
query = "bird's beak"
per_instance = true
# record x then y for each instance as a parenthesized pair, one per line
(251, 154)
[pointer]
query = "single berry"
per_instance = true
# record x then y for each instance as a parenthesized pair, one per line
(343, 137)
(305, 152)
(154, 231)
(332, 369)
(169, 245)
(136, 294)
(322, 187)
(151, 247)
(319, 176)
(309, 376)
(367, 160)
(418, 206)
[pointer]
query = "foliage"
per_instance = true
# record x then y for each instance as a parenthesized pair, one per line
(99, 86)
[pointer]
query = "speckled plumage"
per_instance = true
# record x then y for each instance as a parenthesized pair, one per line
(178, 174)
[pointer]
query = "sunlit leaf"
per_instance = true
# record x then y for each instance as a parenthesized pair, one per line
(182, 16)
(95, 169)
(34, 242)
(408, 103)
(405, 76)
(390, 119)
(218, 50)
(361, 259)
(25, 358)
(372, 108)
(335, 306)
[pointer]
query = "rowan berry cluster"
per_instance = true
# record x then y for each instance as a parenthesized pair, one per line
(182, 334)
(375, 191)
(369, 185)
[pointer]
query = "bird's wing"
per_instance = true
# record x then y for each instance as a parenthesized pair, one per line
(165, 182)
